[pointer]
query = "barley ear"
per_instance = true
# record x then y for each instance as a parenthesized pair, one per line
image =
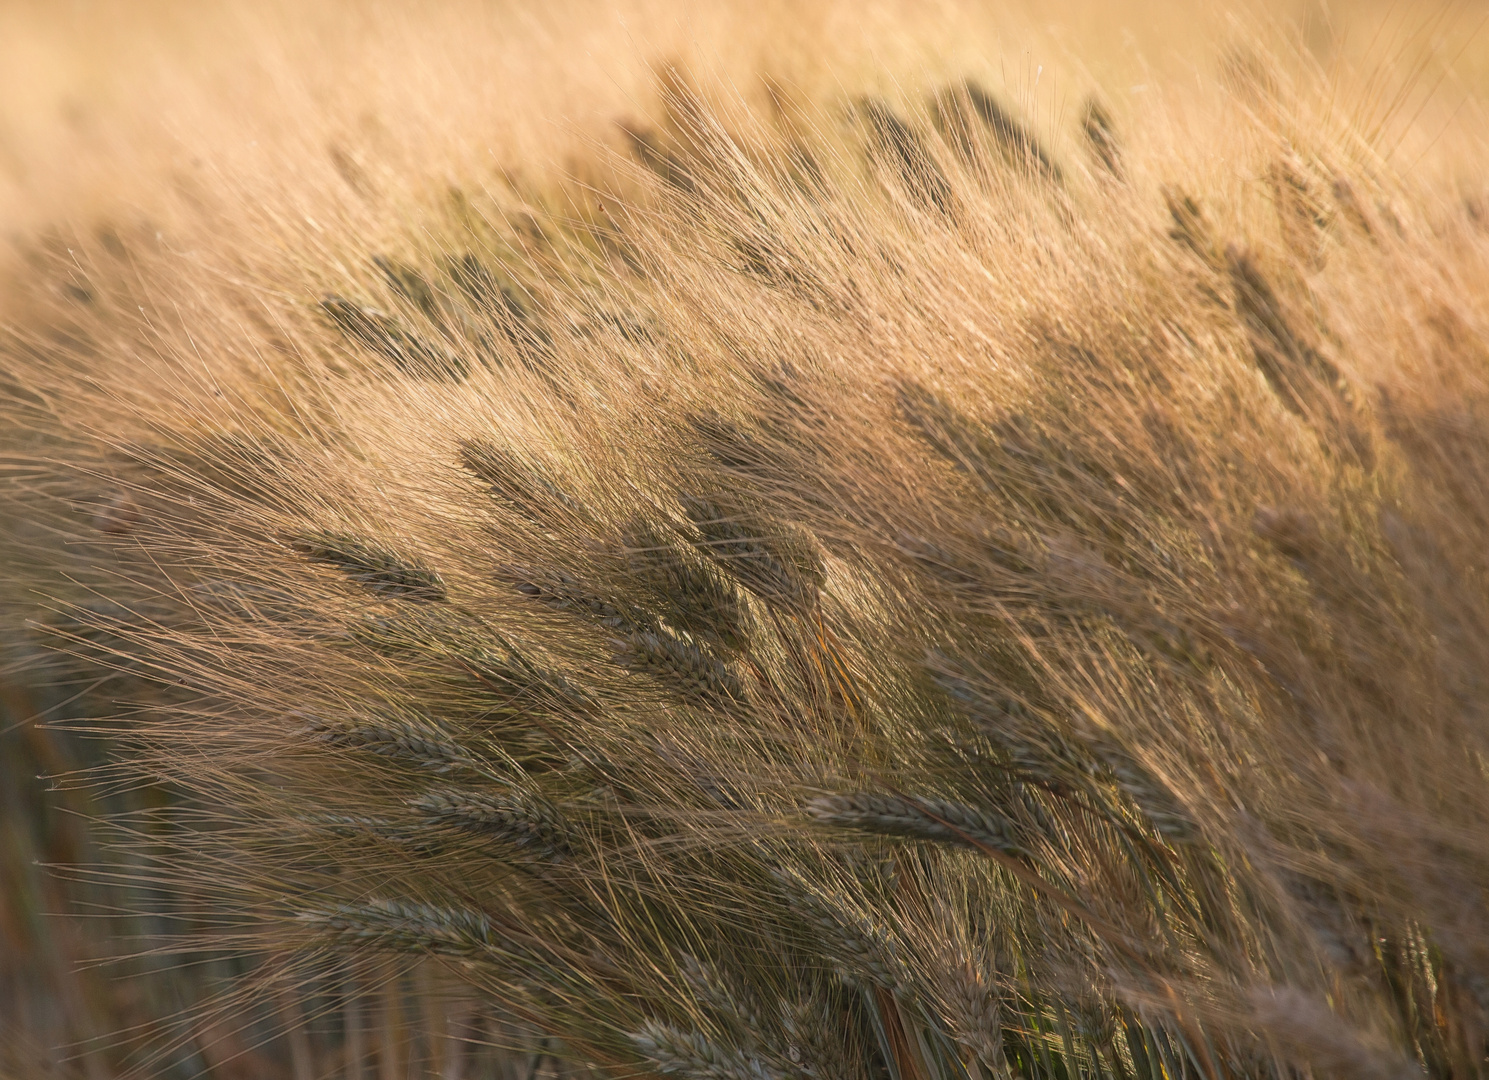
(403, 926)
(374, 567)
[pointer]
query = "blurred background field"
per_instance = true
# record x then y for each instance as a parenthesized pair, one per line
(135, 131)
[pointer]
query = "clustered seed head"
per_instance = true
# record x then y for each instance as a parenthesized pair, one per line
(519, 685)
(697, 599)
(765, 558)
(1080, 543)
(721, 993)
(929, 819)
(1101, 137)
(1036, 750)
(859, 949)
(946, 430)
(383, 334)
(816, 1044)
(956, 108)
(1191, 227)
(409, 284)
(1049, 756)
(685, 667)
(972, 1010)
(564, 592)
(414, 740)
(516, 817)
(379, 570)
(694, 1056)
(1153, 797)
(903, 148)
(404, 926)
(1045, 755)
(731, 445)
(519, 484)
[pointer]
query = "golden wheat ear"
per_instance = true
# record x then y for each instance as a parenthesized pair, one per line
(409, 284)
(375, 568)
(689, 594)
(974, 122)
(382, 334)
(897, 144)
(519, 484)
(1101, 137)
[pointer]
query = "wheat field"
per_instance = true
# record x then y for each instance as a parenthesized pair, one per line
(922, 541)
